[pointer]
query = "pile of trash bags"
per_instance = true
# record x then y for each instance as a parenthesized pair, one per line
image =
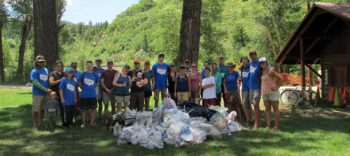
(184, 125)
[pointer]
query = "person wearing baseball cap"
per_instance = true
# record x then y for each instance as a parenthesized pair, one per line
(148, 88)
(255, 86)
(107, 87)
(99, 70)
(39, 77)
(188, 65)
(171, 81)
(270, 91)
(68, 89)
(247, 108)
(182, 85)
(137, 67)
(233, 100)
(159, 81)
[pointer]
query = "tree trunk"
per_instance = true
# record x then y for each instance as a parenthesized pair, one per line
(190, 31)
(46, 30)
(2, 67)
(22, 49)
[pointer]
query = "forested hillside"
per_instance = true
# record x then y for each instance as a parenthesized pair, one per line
(229, 27)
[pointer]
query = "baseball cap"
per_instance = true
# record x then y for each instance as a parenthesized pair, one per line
(172, 65)
(109, 61)
(263, 59)
(221, 57)
(127, 66)
(98, 59)
(147, 62)
(40, 58)
(231, 64)
(70, 70)
(252, 52)
(137, 61)
(182, 67)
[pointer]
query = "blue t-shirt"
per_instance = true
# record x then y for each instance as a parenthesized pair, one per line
(77, 75)
(254, 75)
(69, 88)
(88, 81)
(231, 81)
(160, 72)
(245, 78)
(100, 70)
(203, 73)
(42, 76)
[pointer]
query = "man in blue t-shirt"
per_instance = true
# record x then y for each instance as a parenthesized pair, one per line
(68, 93)
(39, 77)
(99, 71)
(245, 69)
(88, 83)
(159, 81)
(254, 86)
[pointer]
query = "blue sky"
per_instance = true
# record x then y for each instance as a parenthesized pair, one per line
(95, 10)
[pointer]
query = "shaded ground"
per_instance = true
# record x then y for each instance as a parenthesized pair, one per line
(305, 131)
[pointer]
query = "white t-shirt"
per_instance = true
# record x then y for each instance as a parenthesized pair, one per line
(209, 93)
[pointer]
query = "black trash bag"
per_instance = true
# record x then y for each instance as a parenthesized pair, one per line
(195, 110)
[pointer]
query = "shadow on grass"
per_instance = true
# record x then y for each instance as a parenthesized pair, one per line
(18, 138)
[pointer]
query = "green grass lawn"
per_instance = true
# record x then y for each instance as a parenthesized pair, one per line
(315, 131)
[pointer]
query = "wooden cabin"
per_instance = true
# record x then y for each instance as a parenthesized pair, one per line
(323, 38)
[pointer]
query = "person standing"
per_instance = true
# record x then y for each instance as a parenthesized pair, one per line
(218, 82)
(222, 69)
(148, 88)
(254, 86)
(247, 108)
(270, 91)
(77, 73)
(68, 93)
(159, 82)
(182, 86)
(99, 71)
(209, 89)
(171, 81)
(107, 86)
(196, 83)
(137, 91)
(39, 77)
(136, 69)
(233, 99)
(121, 82)
(206, 65)
(188, 66)
(88, 81)
(55, 78)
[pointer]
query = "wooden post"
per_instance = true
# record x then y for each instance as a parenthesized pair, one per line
(302, 63)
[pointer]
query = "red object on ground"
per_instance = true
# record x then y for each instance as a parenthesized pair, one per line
(331, 94)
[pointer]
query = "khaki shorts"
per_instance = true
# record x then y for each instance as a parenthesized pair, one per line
(182, 96)
(245, 99)
(156, 93)
(108, 97)
(39, 103)
(275, 96)
(254, 97)
(120, 99)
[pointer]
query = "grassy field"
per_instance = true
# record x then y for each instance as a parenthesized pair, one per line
(313, 131)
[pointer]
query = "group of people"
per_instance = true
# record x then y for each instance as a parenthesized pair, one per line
(68, 92)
